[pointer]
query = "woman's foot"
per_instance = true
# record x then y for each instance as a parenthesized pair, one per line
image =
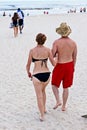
(56, 106)
(41, 118)
(45, 111)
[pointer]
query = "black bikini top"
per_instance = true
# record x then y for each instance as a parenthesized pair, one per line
(43, 61)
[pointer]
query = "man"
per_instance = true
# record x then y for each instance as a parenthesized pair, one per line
(21, 19)
(65, 51)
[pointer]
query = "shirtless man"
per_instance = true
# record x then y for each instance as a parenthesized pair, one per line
(66, 51)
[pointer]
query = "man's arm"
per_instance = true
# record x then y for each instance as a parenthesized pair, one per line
(54, 49)
(75, 54)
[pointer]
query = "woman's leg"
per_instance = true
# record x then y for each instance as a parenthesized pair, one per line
(15, 31)
(44, 100)
(44, 93)
(39, 94)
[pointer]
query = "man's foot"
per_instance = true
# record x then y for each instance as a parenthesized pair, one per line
(85, 116)
(45, 111)
(56, 106)
(63, 108)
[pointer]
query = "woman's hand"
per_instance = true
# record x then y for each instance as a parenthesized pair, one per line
(29, 75)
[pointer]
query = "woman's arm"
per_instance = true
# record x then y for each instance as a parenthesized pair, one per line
(29, 64)
(51, 58)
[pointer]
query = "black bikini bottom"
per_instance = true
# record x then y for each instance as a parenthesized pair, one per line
(43, 77)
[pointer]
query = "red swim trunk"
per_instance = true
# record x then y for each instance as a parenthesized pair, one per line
(63, 72)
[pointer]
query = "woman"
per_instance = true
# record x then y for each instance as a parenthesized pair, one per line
(15, 23)
(41, 74)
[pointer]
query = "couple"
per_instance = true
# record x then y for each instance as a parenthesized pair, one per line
(18, 21)
(64, 50)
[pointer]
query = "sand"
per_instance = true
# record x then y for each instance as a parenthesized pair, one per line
(18, 105)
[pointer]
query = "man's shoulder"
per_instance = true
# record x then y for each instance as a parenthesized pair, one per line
(22, 13)
(57, 41)
(71, 40)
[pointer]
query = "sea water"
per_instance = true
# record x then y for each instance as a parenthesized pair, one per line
(37, 7)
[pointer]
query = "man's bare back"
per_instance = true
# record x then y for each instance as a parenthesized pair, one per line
(65, 49)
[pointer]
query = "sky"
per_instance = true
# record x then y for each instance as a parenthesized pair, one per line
(27, 0)
(33, 0)
(41, 0)
(23, 0)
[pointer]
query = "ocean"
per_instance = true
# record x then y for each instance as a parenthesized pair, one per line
(39, 7)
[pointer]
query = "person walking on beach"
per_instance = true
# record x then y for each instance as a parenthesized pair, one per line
(66, 51)
(15, 19)
(21, 19)
(39, 55)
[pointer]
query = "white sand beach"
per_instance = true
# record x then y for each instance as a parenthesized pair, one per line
(18, 105)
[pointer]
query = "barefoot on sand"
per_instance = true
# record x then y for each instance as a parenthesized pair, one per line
(56, 106)
(63, 108)
(45, 111)
(41, 119)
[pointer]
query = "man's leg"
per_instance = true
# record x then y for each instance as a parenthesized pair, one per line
(65, 97)
(20, 28)
(56, 94)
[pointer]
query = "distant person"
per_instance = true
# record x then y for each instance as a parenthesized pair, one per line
(39, 55)
(9, 15)
(84, 9)
(4, 14)
(27, 14)
(15, 19)
(65, 50)
(81, 10)
(21, 19)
